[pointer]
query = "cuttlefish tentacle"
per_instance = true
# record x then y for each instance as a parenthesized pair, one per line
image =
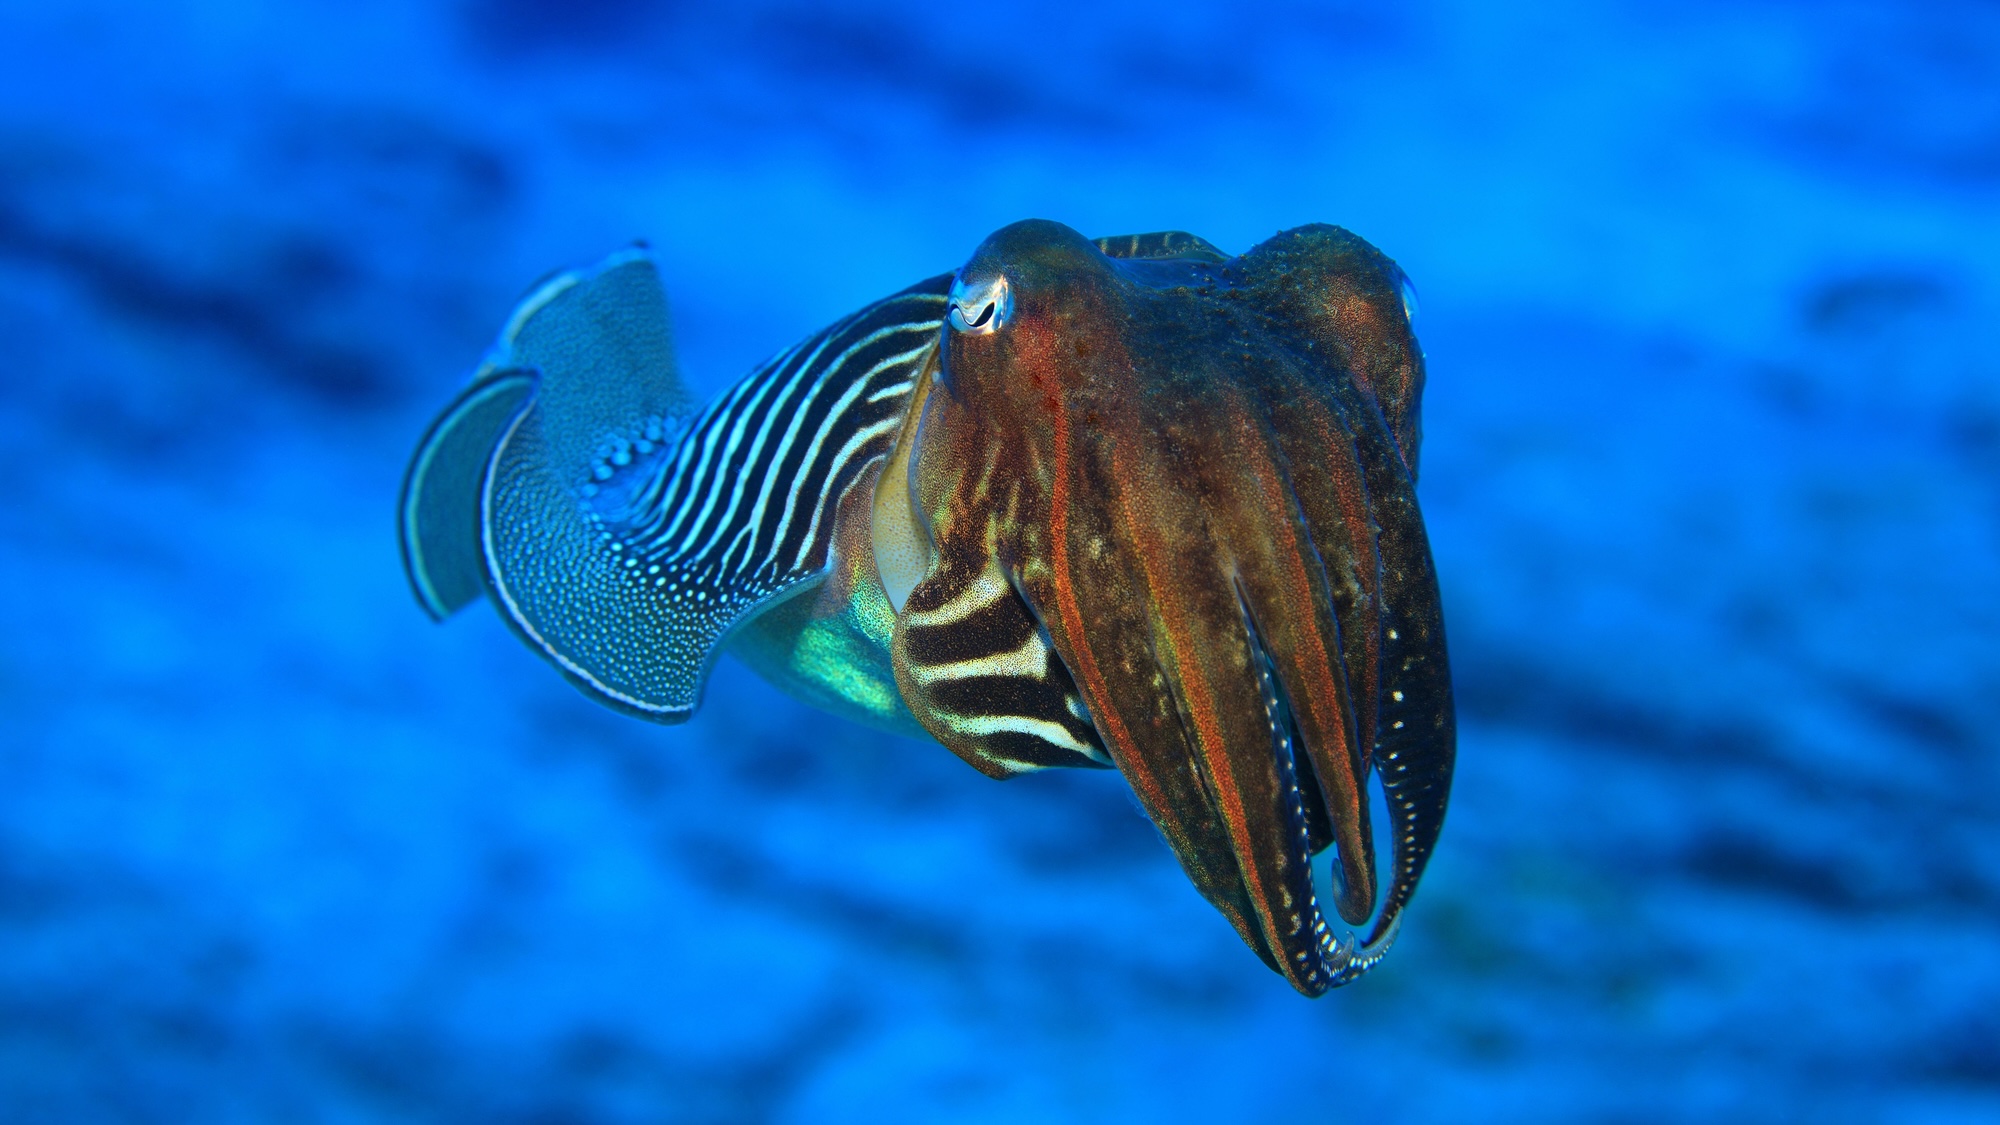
(1290, 605)
(1360, 313)
(1221, 563)
(1208, 503)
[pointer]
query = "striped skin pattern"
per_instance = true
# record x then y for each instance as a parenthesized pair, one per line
(626, 546)
(1197, 474)
(739, 507)
(989, 685)
(625, 536)
(972, 660)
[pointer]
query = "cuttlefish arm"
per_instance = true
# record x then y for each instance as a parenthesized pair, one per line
(1188, 473)
(969, 651)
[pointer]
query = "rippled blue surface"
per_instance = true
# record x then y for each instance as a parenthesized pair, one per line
(1712, 469)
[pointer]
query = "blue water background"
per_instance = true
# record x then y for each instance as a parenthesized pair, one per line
(1712, 468)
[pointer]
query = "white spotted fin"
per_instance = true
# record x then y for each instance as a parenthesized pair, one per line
(497, 495)
(625, 535)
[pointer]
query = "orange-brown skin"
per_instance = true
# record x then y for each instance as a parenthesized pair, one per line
(1181, 466)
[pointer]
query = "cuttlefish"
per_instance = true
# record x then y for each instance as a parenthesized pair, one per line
(1128, 502)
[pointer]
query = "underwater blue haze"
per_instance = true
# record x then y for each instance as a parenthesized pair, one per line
(1711, 467)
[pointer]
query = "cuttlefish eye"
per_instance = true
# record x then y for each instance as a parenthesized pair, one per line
(980, 305)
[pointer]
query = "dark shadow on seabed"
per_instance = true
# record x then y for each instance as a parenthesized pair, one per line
(1712, 467)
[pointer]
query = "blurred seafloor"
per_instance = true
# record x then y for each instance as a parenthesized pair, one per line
(1712, 469)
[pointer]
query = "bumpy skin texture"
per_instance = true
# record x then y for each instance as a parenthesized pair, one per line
(1198, 477)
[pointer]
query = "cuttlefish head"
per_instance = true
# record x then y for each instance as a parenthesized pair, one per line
(1170, 501)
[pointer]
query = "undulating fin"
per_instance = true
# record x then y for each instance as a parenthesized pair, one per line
(439, 509)
(1160, 244)
(438, 512)
(624, 538)
(606, 385)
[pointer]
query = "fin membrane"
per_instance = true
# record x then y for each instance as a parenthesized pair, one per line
(438, 513)
(498, 496)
